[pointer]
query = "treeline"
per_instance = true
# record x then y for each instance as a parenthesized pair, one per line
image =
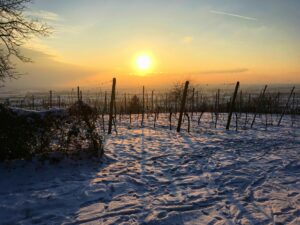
(198, 100)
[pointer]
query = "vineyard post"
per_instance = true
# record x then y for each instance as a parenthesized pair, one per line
(236, 121)
(232, 105)
(125, 103)
(103, 122)
(193, 103)
(197, 102)
(143, 106)
(267, 109)
(115, 109)
(286, 106)
(170, 120)
(146, 102)
(166, 103)
(262, 95)
(271, 108)
(78, 93)
(199, 118)
(147, 105)
(277, 104)
(189, 122)
(241, 103)
(152, 103)
(293, 114)
(217, 107)
(249, 102)
(111, 108)
(105, 103)
(182, 107)
(59, 103)
(33, 102)
(50, 99)
(155, 118)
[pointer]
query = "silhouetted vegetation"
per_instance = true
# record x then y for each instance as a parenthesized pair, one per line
(27, 133)
(24, 134)
(135, 105)
(15, 29)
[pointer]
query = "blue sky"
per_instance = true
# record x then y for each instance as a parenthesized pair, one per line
(101, 37)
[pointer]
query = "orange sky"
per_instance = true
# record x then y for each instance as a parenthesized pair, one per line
(203, 41)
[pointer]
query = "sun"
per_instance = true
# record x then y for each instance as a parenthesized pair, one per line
(143, 62)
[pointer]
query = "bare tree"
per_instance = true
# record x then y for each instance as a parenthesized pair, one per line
(176, 94)
(15, 30)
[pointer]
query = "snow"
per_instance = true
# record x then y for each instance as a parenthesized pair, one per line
(156, 176)
(41, 114)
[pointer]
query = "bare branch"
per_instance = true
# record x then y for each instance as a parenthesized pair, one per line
(15, 30)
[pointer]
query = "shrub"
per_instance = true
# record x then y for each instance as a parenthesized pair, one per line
(27, 133)
(134, 105)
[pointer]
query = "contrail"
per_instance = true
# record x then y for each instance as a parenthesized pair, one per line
(233, 15)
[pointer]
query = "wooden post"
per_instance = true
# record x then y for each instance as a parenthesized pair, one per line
(156, 103)
(143, 107)
(293, 110)
(146, 103)
(232, 105)
(182, 108)
(115, 110)
(152, 103)
(78, 93)
(189, 122)
(193, 102)
(111, 108)
(125, 103)
(166, 102)
(103, 122)
(262, 95)
(241, 103)
(59, 103)
(286, 106)
(170, 120)
(199, 119)
(217, 105)
(249, 103)
(197, 102)
(32, 102)
(105, 103)
(50, 99)
(277, 103)
(155, 118)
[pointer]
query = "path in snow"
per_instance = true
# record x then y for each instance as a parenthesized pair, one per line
(161, 177)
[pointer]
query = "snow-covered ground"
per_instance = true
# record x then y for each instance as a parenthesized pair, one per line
(156, 176)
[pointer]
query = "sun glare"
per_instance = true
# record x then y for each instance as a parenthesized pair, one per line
(143, 62)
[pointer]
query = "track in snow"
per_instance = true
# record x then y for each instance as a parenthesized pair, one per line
(160, 177)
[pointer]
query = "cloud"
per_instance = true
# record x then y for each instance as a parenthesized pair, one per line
(188, 39)
(233, 15)
(44, 15)
(207, 72)
(46, 73)
(36, 44)
(238, 70)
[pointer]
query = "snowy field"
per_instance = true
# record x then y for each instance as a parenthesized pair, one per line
(156, 176)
